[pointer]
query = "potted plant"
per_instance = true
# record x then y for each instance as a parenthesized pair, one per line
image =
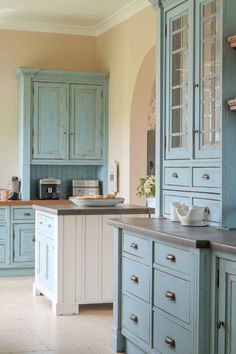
(146, 188)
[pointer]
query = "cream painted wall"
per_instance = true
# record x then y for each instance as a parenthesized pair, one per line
(53, 51)
(121, 51)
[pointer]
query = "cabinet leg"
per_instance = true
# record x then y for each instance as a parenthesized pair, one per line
(65, 308)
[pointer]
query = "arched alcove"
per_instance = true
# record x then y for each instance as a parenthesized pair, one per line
(142, 113)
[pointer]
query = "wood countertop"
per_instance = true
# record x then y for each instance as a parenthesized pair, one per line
(33, 201)
(166, 230)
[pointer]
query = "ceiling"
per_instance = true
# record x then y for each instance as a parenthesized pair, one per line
(87, 17)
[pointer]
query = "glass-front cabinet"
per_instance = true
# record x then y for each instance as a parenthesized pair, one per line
(193, 105)
(196, 131)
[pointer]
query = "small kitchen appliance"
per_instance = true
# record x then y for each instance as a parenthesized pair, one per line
(49, 188)
(85, 187)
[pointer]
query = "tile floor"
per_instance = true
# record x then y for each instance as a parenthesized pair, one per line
(27, 324)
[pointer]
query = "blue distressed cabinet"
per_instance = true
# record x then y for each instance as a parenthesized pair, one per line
(62, 123)
(17, 240)
(161, 296)
(196, 129)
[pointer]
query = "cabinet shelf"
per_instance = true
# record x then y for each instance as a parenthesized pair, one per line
(232, 104)
(232, 41)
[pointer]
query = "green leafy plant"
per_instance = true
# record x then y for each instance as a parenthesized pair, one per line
(146, 187)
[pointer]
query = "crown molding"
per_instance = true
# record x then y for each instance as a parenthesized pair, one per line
(120, 16)
(111, 21)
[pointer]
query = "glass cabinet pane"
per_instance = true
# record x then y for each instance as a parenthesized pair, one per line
(210, 74)
(179, 71)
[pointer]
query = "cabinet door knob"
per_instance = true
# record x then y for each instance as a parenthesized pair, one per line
(170, 341)
(49, 225)
(219, 324)
(175, 175)
(134, 245)
(133, 317)
(205, 176)
(171, 257)
(33, 238)
(64, 133)
(134, 278)
(169, 295)
(27, 214)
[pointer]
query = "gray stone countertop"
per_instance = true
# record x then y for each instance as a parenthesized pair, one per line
(72, 209)
(165, 230)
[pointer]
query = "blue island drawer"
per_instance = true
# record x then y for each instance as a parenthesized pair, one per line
(136, 318)
(136, 279)
(172, 295)
(168, 337)
(23, 214)
(177, 176)
(137, 246)
(172, 257)
(209, 177)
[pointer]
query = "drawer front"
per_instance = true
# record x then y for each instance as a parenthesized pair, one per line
(172, 295)
(206, 177)
(23, 214)
(172, 257)
(3, 214)
(168, 199)
(136, 318)
(41, 221)
(214, 209)
(137, 246)
(45, 224)
(136, 279)
(168, 337)
(177, 176)
(131, 348)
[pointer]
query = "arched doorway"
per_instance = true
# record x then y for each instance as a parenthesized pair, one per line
(142, 116)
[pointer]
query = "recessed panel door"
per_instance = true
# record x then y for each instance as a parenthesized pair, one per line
(23, 243)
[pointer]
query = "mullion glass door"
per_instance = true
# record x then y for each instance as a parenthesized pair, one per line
(178, 74)
(208, 121)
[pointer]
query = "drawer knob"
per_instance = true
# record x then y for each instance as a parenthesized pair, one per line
(133, 317)
(171, 257)
(134, 278)
(41, 223)
(169, 295)
(175, 175)
(49, 225)
(205, 176)
(134, 245)
(27, 214)
(170, 341)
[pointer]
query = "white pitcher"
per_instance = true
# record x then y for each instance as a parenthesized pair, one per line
(193, 215)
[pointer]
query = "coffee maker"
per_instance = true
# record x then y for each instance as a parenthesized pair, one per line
(14, 188)
(49, 188)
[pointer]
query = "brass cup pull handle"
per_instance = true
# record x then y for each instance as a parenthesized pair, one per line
(134, 245)
(205, 176)
(133, 317)
(134, 278)
(170, 341)
(175, 175)
(170, 295)
(27, 214)
(171, 257)
(33, 238)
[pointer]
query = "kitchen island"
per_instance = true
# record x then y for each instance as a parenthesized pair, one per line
(74, 253)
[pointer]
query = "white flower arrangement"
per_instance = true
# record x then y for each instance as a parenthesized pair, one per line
(146, 187)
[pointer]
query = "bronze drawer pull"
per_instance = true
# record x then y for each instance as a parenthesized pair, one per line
(219, 324)
(133, 317)
(170, 341)
(205, 176)
(27, 214)
(171, 257)
(170, 295)
(134, 245)
(134, 278)
(175, 175)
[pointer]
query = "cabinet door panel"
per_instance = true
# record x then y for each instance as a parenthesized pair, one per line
(179, 83)
(50, 263)
(227, 307)
(49, 125)
(23, 245)
(208, 79)
(3, 254)
(85, 122)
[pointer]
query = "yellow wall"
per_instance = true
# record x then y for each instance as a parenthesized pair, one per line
(120, 51)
